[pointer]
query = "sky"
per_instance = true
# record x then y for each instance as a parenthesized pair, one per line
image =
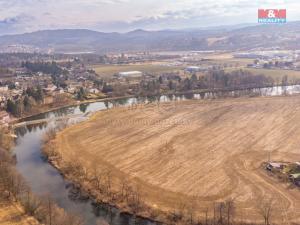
(20, 16)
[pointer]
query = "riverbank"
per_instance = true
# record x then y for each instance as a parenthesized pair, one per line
(85, 187)
(11, 213)
(11, 210)
(75, 103)
(95, 155)
(18, 204)
(249, 92)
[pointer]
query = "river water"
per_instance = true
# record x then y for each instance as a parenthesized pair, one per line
(45, 180)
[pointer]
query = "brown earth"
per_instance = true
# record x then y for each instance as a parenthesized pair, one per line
(196, 151)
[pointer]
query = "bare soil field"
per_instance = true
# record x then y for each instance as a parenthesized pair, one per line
(199, 152)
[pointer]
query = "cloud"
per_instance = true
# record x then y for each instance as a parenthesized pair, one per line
(123, 15)
(9, 20)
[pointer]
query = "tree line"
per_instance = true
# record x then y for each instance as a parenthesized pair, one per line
(58, 74)
(31, 96)
(14, 188)
(212, 80)
(44, 67)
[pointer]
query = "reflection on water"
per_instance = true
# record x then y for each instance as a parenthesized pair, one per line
(45, 180)
(96, 106)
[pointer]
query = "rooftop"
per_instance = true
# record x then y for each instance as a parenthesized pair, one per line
(131, 73)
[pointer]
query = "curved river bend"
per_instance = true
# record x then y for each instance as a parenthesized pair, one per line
(44, 179)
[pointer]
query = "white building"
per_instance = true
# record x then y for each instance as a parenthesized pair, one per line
(131, 74)
(94, 91)
(193, 69)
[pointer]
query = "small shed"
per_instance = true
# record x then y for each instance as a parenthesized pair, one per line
(295, 176)
(274, 165)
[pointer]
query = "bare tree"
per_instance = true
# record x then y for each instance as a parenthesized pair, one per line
(191, 210)
(50, 206)
(221, 211)
(230, 211)
(97, 179)
(206, 216)
(265, 207)
(31, 204)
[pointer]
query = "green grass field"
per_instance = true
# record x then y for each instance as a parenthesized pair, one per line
(108, 70)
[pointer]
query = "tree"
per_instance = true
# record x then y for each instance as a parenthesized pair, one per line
(81, 95)
(194, 78)
(11, 86)
(187, 84)
(230, 211)
(11, 107)
(27, 103)
(19, 107)
(107, 88)
(284, 80)
(44, 67)
(170, 85)
(83, 107)
(160, 79)
(265, 207)
(39, 95)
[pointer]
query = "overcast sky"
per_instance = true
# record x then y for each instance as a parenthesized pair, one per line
(19, 16)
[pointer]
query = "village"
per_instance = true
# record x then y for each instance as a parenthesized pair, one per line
(34, 82)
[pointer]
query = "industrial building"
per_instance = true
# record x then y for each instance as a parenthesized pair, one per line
(131, 74)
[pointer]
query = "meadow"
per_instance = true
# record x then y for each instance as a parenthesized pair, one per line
(109, 70)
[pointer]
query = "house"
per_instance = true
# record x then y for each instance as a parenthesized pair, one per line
(93, 91)
(50, 88)
(71, 89)
(60, 90)
(192, 69)
(295, 177)
(131, 74)
(274, 165)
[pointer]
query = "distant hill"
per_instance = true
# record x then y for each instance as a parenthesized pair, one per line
(222, 38)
